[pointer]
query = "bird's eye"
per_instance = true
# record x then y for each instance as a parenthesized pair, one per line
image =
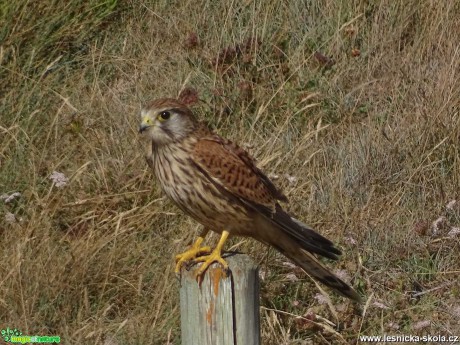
(164, 115)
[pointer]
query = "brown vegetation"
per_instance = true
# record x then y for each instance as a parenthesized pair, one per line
(354, 106)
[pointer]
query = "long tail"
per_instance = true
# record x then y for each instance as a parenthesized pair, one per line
(297, 241)
(314, 268)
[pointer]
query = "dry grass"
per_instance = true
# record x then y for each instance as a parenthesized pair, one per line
(367, 131)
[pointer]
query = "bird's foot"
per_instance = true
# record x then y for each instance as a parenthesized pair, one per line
(196, 251)
(207, 261)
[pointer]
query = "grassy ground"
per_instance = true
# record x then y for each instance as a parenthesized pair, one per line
(354, 106)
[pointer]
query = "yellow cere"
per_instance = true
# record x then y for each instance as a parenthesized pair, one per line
(147, 120)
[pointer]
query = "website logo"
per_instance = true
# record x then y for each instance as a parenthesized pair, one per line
(15, 336)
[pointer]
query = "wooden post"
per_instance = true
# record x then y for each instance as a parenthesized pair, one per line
(224, 310)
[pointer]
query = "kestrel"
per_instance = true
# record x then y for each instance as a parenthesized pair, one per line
(218, 184)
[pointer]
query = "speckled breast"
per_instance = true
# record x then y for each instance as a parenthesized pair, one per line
(194, 194)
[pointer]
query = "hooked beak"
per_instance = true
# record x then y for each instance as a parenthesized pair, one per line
(143, 127)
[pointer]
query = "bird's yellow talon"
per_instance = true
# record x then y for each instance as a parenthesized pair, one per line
(215, 256)
(208, 260)
(194, 252)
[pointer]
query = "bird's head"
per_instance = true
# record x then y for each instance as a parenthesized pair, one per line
(165, 121)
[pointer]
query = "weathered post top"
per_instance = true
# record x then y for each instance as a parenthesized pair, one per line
(225, 309)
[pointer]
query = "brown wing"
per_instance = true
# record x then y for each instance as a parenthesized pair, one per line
(234, 170)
